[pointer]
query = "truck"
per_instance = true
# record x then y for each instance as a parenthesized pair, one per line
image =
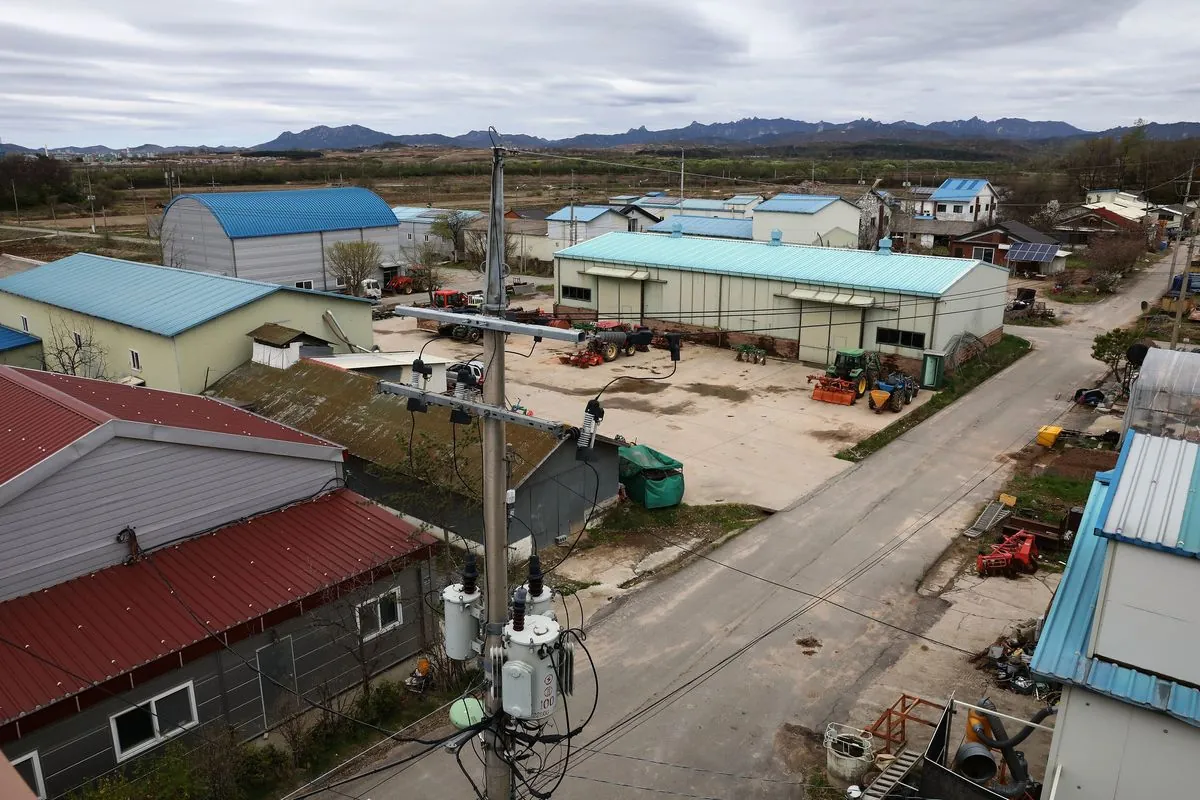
(410, 279)
(461, 303)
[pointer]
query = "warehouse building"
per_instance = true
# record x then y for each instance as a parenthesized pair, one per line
(278, 236)
(800, 302)
(165, 328)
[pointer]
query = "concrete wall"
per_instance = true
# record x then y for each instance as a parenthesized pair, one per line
(822, 226)
(1149, 615)
(229, 693)
(164, 491)
(28, 356)
(975, 304)
(159, 367)
(192, 238)
(1115, 751)
(209, 351)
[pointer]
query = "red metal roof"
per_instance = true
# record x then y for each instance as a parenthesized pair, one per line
(110, 622)
(43, 412)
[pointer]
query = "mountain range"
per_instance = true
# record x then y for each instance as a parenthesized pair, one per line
(750, 132)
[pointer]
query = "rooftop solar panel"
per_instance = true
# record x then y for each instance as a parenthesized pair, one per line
(1032, 251)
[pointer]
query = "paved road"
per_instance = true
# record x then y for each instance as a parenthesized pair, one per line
(867, 536)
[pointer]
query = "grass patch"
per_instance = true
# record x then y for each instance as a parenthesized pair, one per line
(1077, 298)
(1003, 354)
(567, 587)
(708, 522)
(545, 288)
(1048, 497)
(1034, 322)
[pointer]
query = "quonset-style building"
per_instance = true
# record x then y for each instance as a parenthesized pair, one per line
(798, 301)
(277, 236)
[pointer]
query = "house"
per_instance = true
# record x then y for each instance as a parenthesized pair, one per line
(1126, 204)
(158, 554)
(808, 302)
(277, 236)
(1122, 630)
(742, 205)
(1075, 227)
(875, 207)
(659, 203)
(422, 464)
(19, 348)
(526, 213)
(393, 367)
(698, 207)
(825, 220)
(416, 236)
(639, 218)
(1015, 245)
(572, 224)
(172, 329)
(961, 200)
(688, 225)
(925, 233)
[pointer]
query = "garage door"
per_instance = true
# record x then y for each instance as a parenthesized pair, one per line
(619, 299)
(825, 329)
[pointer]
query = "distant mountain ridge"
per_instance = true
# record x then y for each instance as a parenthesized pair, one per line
(752, 131)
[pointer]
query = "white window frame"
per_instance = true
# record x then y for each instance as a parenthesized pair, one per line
(135, 360)
(382, 629)
(25, 323)
(958, 209)
(340, 281)
(77, 337)
(304, 284)
(159, 738)
(40, 789)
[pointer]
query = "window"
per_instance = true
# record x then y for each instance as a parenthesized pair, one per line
(958, 209)
(29, 767)
(25, 323)
(941, 206)
(983, 254)
(78, 339)
(156, 720)
(379, 614)
(135, 360)
(427, 237)
(576, 293)
(341, 281)
(900, 338)
(410, 236)
(303, 284)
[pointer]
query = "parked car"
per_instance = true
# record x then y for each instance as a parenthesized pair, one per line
(475, 369)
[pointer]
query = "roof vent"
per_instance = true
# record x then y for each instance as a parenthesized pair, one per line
(776, 237)
(885, 246)
(676, 230)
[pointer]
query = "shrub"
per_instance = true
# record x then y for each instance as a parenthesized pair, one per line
(263, 768)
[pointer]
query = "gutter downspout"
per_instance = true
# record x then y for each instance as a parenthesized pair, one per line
(332, 322)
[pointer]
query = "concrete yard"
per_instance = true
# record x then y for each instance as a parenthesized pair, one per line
(746, 433)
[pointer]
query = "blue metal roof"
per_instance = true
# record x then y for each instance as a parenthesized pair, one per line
(902, 273)
(247, 215)
(959, 189)
(702, 205)
(707, 226)
(582, 213)
(11, 338)
(797, 203)
(657, 200)
(1061, 652)
(161, 300)
(425, 214)
(742, 199)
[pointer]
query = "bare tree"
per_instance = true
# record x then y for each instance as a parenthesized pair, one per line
(353, 262)
(451, 227)
(72, 349)
(475, 244)
(169, 253)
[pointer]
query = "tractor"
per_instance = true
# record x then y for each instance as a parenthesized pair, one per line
(893, 392)
(858, 366)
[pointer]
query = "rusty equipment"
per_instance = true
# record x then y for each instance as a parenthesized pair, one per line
(1017, 553)
(833, 390)
(583, 358)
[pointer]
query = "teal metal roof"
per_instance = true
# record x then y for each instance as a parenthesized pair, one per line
(161, 300)
(582, 213)
(11, 338)
(742, 199)
(1061, 652)
(824, 266)
(702, 205)
(249, 215)
(706, 226)
(797, 203)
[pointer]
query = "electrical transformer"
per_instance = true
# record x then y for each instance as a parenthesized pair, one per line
(462, 624)
(529, 687)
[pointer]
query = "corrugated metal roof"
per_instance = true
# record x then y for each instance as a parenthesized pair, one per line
(959, 189)
(797, 203)
(37, 424)
(248, 215)
(11, 339)
(700, 204)
(582, 213)
(657, 201)
(824, 266)
(707, 226)
(1157, 493)
(742, 199)
(105, 624)
(161, 300)
(427, 214)
(1061, 652)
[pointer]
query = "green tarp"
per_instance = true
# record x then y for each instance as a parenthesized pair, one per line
(651, 478)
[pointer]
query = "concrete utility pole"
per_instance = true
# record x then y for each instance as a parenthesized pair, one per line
(16, 205)
(1175, 256)
(1186, 277)
(91, 197)
(498, 779)
(681, 163)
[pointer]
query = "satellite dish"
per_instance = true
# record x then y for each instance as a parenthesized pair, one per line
(1136, 353)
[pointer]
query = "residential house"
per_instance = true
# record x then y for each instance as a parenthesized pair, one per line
(660, 204)
(572, 224)
(526, 213)
(825, 220)
(166, 328)
(277, 236)
(961, 200)
(687, 225)
(423, 464)
(417, 238)
(158, 555)
(912, 234)
(1076, 227)
(1015, 245)
(639, 218)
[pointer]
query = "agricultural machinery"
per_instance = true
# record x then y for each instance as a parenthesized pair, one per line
(858, 366)
(1017, 553)
(897, 391)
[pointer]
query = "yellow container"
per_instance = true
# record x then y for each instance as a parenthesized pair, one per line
(1048, 435)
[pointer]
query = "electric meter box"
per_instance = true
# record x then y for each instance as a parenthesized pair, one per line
(462, 626)
(529, 685)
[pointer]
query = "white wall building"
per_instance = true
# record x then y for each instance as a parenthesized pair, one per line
(961, 200)
(573, 224)
(415, 230)
(827, 221)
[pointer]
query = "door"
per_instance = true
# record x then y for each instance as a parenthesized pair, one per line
(277, 670)
(619, 299)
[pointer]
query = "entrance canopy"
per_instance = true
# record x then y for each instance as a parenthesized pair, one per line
(832, 297)
(618, 272)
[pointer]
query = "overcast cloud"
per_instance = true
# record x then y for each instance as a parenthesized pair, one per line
(239, 72)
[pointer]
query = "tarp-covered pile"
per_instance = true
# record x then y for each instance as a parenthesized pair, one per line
(651, 478)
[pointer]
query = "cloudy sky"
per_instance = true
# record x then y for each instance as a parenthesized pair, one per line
(237, 72)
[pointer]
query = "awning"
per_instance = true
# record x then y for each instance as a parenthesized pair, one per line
(618, 272)
(833, 298)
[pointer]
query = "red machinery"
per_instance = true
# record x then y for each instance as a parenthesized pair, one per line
(583, 358)
(833, 390)
(1017, 553)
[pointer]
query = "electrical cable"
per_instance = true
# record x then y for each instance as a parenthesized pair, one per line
(586, 521)
(674, 366)
(467, 775)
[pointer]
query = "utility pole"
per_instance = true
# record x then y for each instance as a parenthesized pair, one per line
(91, 197)
(571, 233)
(498, 779)
(1186, 277)
(1179, 244)
(681, 163)
(16, 205)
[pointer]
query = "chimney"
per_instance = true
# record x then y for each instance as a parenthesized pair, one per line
(776, 237)
(676, 230)
(885, 246)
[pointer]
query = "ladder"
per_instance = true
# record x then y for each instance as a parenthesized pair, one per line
(992, 515)
(892, 775)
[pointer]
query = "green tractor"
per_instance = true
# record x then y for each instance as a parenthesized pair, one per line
(858, 366)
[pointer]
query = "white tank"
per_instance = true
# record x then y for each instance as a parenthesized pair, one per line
(461, 623)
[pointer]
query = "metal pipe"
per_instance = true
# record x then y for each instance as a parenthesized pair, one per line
(995, 713)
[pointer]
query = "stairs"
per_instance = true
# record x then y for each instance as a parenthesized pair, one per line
(893, 775)
(992, 516)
